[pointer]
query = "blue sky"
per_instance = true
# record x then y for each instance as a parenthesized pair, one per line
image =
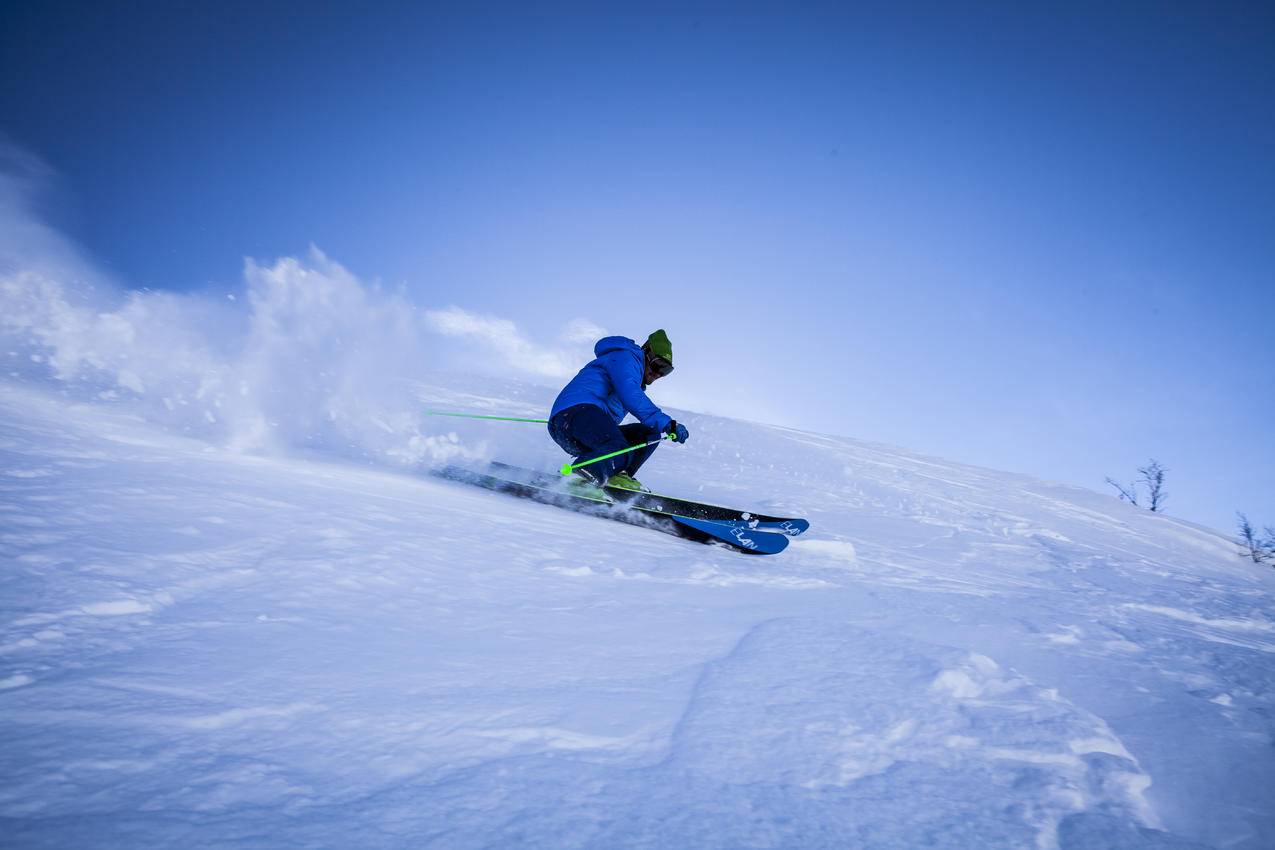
(1034, 239)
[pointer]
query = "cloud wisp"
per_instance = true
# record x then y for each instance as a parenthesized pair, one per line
(501, 340)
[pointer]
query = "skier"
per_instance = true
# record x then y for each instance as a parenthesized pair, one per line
(585, 420)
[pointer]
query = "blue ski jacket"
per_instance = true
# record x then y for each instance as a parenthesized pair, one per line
(613, 382)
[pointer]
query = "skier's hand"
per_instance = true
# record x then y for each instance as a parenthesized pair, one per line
(677, 431)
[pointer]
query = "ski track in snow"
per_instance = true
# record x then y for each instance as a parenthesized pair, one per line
(202, 648)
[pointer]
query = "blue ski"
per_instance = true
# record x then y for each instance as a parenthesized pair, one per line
(738, 535)
(555, 490)
(790, 526)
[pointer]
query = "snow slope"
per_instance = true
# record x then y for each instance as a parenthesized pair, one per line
(201, 647)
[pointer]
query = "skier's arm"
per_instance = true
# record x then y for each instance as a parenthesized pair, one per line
(627, 378)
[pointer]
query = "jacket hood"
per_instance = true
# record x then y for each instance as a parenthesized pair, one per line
(608, 344)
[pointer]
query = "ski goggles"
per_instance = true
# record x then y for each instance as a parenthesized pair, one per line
(659, 366)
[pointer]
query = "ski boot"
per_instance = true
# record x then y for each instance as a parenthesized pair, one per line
(624, 481)
(584, 483)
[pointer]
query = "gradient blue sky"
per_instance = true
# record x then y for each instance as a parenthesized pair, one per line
(1036, 238)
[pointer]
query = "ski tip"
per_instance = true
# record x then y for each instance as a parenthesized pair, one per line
(740, 537)
(793, 527)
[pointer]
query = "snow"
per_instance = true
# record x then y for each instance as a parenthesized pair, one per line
(237, 610)
(206, 647)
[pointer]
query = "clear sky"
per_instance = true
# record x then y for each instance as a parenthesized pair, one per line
(1035, 238)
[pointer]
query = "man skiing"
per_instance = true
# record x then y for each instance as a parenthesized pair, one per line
(585, 420)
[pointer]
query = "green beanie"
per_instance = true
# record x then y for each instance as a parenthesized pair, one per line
(657, 343)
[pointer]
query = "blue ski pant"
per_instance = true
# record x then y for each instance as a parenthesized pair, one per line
(587, 431)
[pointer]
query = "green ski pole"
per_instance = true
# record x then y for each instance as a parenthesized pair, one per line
(568, 468)
(479, 416)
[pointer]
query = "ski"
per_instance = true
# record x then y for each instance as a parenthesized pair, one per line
(555, 490)
(789, 526)
(733, 534)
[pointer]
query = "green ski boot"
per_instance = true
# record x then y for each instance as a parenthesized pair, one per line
(621, 481)
(582, 483)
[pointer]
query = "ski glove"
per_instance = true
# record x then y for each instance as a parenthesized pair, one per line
(679, 432)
